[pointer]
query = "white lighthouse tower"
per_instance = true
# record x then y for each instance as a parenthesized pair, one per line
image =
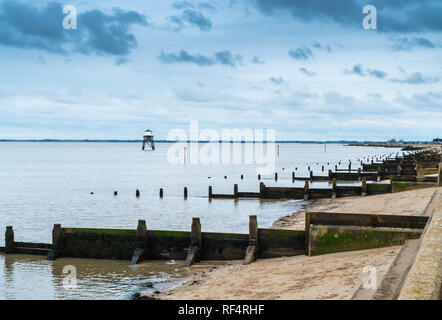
(148, 139)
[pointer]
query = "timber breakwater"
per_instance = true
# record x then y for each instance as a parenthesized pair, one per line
(324, 232)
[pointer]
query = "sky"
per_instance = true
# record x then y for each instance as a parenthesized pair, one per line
(305, 68)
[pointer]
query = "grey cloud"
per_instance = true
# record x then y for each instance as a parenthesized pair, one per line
(377, 73)
(406, 44)
(182, 5)
(277, 80)
(431, 100)
(222, 57)
(26, 26)
(225, 57)
(417, 78)
(357, 69)
(185, 57)
(207, 6)
(192, 17)
(306, 72)
(360, 71)
(316, 45)
(257, 60)
(121, 60)
(393, 16)
(301, 53)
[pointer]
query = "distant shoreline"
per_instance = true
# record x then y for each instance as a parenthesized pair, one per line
(352, 143)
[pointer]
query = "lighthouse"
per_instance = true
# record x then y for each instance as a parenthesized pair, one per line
(148, 139)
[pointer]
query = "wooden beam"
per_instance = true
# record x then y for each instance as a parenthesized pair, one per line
(9, 240)
(251, 252)
(195, 243)
(57, 242)
(141, 242)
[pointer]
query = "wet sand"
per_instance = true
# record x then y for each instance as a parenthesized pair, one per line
(331, 276)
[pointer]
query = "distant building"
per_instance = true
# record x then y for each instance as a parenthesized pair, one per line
(437, 141)
(148, 139)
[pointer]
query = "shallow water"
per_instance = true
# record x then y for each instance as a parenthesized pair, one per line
(46, 183)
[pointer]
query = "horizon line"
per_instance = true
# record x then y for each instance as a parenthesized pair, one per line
(219, 141)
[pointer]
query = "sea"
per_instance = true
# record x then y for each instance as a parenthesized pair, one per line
(73, 184)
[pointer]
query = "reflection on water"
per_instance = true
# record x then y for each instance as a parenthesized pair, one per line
(33, 277)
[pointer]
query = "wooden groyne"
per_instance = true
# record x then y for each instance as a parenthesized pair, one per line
(325, 232)
(404, 173)
(143, 244)
(328, 232)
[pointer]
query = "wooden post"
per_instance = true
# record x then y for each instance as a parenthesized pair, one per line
(311, 175)
(137, 193)
(161, 192)
(439, 177)
(235, 191)
(307, 231)
(308, 168)
(349, 167)
(306, 190)
(259, 177)
(364, 187)
(251, 252)
(115, 193)
(210, 192)
(9, 240)
(195, 243)
(330, 173)
(293, 176)
(276, 176)
(185, 192)
(57, 243)
(195, 233)
(379, 173)
(399, 169)
(322, 168)
(262, 190)
(141, 242)
(242, 177)
(336, 167)
(141, 231)
(334, 191)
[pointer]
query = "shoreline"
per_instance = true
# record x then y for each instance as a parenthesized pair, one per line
(330, 276)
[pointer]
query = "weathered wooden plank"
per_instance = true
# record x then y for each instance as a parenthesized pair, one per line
(366, 220)
(191, 256)
(277, 243)
(399, 186)
(32, 245)
(250, 255)
(223, 246)
(330, 239)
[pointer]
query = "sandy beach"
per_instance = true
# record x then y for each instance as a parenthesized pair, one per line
(331, 276)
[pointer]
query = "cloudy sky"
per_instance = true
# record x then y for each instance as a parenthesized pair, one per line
(306, 68)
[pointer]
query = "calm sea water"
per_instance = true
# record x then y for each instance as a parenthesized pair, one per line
(73, 184)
